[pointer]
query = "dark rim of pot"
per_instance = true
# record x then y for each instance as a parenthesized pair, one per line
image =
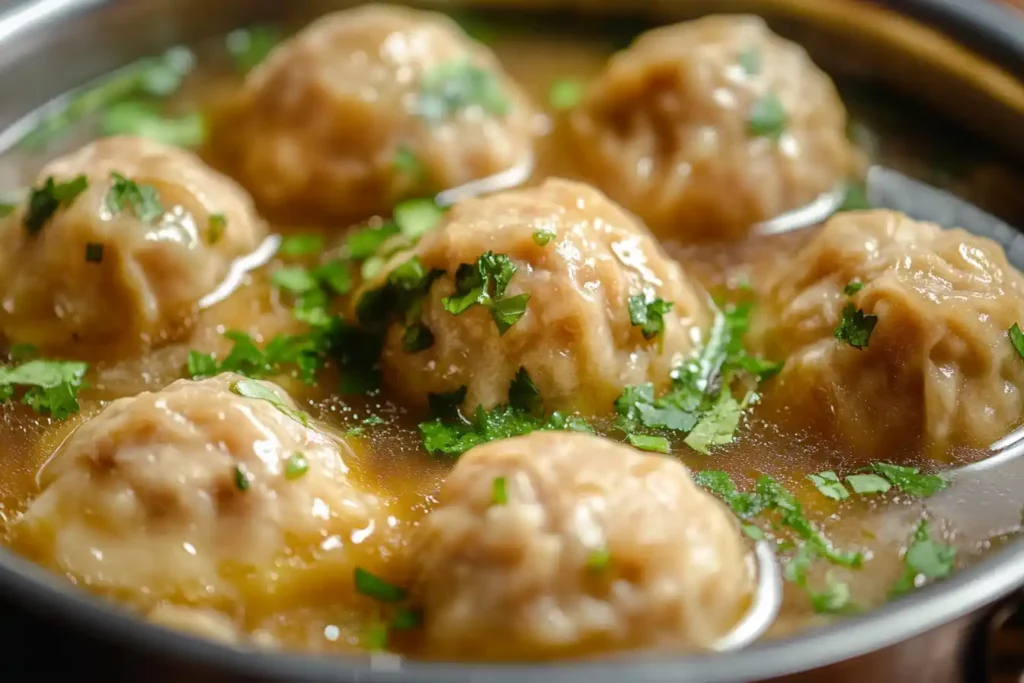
(992, 32)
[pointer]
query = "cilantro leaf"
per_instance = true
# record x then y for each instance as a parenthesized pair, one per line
(856, 327)
(145, 120)
(142, 199)
(599, 559)
(507, 312)
(925, 558)
(372, 586)
(717, 426)
(416, 217)
(910, 480)
(484, 283)
(364, 243)
(565, 94)
(243, 480)
(255, 389)
(200, 365)
(853, 287)
(767, 118)
(406, 163)
(1017, 339)
(51, 386)
(655, 444)
(649, 315)
(865, 484)
(6, 209)
(248, 47)
(450, 87)
(294, 279)
(43, 202)
(502, 422)
(829, 485)
(523, 393)
(301, 245)
(542, 237)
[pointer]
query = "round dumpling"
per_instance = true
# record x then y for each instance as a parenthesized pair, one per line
(214, 495)
(116, 246)
(369, 105)
(561, 544)
(561, 264)
(895, 335)
(709, 127)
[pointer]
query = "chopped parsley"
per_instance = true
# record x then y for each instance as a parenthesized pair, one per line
(215, 227)
(924, 559)
(453, 438)
(51, 386)
(855, 327)
(648, 314)
(301, 245)
(718, 425)
(852, 288)
(865, 484)
(296, 466)
(655, 444)
(750, 61)
(542, 237)
(145, 120)
(767, 118)
(499, 491)
(375, 637)
(250, 46)
(910, 480)
(43, 202)
(372, 586)
(416, 217)
(599, 560)
(506, 312)
(305, 351)
(294, 279)
(257, 390)
(484, 283)
(362, 244)
(93, 252)
(1016, 338)
(242, 478)
(565, 94)
(835, 599)
(523, 394)
(451, 87)
(829, 485)
(142, 199)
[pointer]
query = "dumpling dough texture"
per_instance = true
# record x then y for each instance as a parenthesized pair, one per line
(666, 129)
(347, 117)
(143, 503)
(939, 370)
(576, 339)
(598, 548)
(152, 275)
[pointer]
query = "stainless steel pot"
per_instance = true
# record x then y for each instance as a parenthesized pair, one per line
(938, 634)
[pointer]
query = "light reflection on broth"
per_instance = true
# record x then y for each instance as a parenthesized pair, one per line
(391, 456)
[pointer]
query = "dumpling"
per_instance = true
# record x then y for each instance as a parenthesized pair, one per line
(930, 309)
(369, 105)
(205, 497)
(566, 258)
(708, 127)
(561, 544)
(117, 245)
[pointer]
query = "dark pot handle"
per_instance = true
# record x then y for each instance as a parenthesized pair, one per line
(995, 653)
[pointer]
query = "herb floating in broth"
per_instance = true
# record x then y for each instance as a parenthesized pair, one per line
(51, 386)
(829, 485)
(565, 94)
(248, 47)
(925, 559)
(145, 120)
(301, 245)
(910, 480)
(855, 198)
(655, 444)
(866, 484)
(718, 425)
(853, 288)
(451, 87)
(142, 199)
(43, 202)
(767, 118)
(373, 586)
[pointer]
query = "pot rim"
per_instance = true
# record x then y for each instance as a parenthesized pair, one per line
(996, 34)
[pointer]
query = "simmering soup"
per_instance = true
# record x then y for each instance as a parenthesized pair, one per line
(473, 341)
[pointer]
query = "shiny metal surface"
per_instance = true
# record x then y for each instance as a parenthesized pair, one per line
(50, 46)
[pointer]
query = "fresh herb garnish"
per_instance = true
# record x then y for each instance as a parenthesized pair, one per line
(865, 484)
(215, 227)
(142, 199)
(416, 217)
(718, 425)
(301, 245)
(855, 327)
(829, 485)
(1016, 338)
(853, 287)
(250, 46)
(484, 283)
(93, 252)
(417, 337)
(855, 198)
(507, 312)
(767, 118)
(145, 120)
(542, 237)
(648, 314)
(499, 491)
(924, 558)
(655, 444)
(362, 244)
(294, 279)
(750, 61)
(43, 202)
(373, 586)
(910, 480)
(242, 480)
(565, 94)
(51, 386)
(502, 422)
(599, 560)
(296, 466)
(523, 394)
(6, 209)
(450, 87)
(407, 164)
(256, 390)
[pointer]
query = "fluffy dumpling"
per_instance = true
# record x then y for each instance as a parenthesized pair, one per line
(562, 544)
(929, 309)
(204, 498)
(117, 244)
(369, 105)
(708, 127)
(562, 264)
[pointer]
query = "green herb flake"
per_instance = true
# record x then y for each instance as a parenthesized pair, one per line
(866, 484)
(750, 61)
(294, 279)
(93, 252)
(829, 485)
(767, 118)
(296, 466)
(257, 390)
(523, 394)
(507, 312)
(565, 94)
(334, 276)
(248, 47)
(145, 120)
(51, 386)
(417, 337)
(910, 480)
(853, 287)
(200, 365)
(242, 479)
(835, 599)
(599, 560)
(855, 327)
(542, 237)
(1016, 338)
(649, 315)
(406, 619)
(416, 217)
(373, 586)
(484, 283)
(19, 353)
(499, 491)
(215, 227)
(925, 558)
(718, 426)
(43, 202)
(753, 531)
(654, 444)
(407, 164)
(855, 198)
(451, 87)
(375, 638)
(142, 199)
(363, 244)
(301, 245)
(7, 209)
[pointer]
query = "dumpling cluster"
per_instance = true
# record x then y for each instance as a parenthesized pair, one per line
(924, 359)
(116, 246)
(369, 105)
(708, 127)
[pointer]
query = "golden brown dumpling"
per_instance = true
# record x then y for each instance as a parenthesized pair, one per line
(369, 105)
(938, 369)
(582, 546)
(579, 258)
(707, 127)
(108, 268)
(201, 497)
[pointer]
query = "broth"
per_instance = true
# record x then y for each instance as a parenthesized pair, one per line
(390, 455)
